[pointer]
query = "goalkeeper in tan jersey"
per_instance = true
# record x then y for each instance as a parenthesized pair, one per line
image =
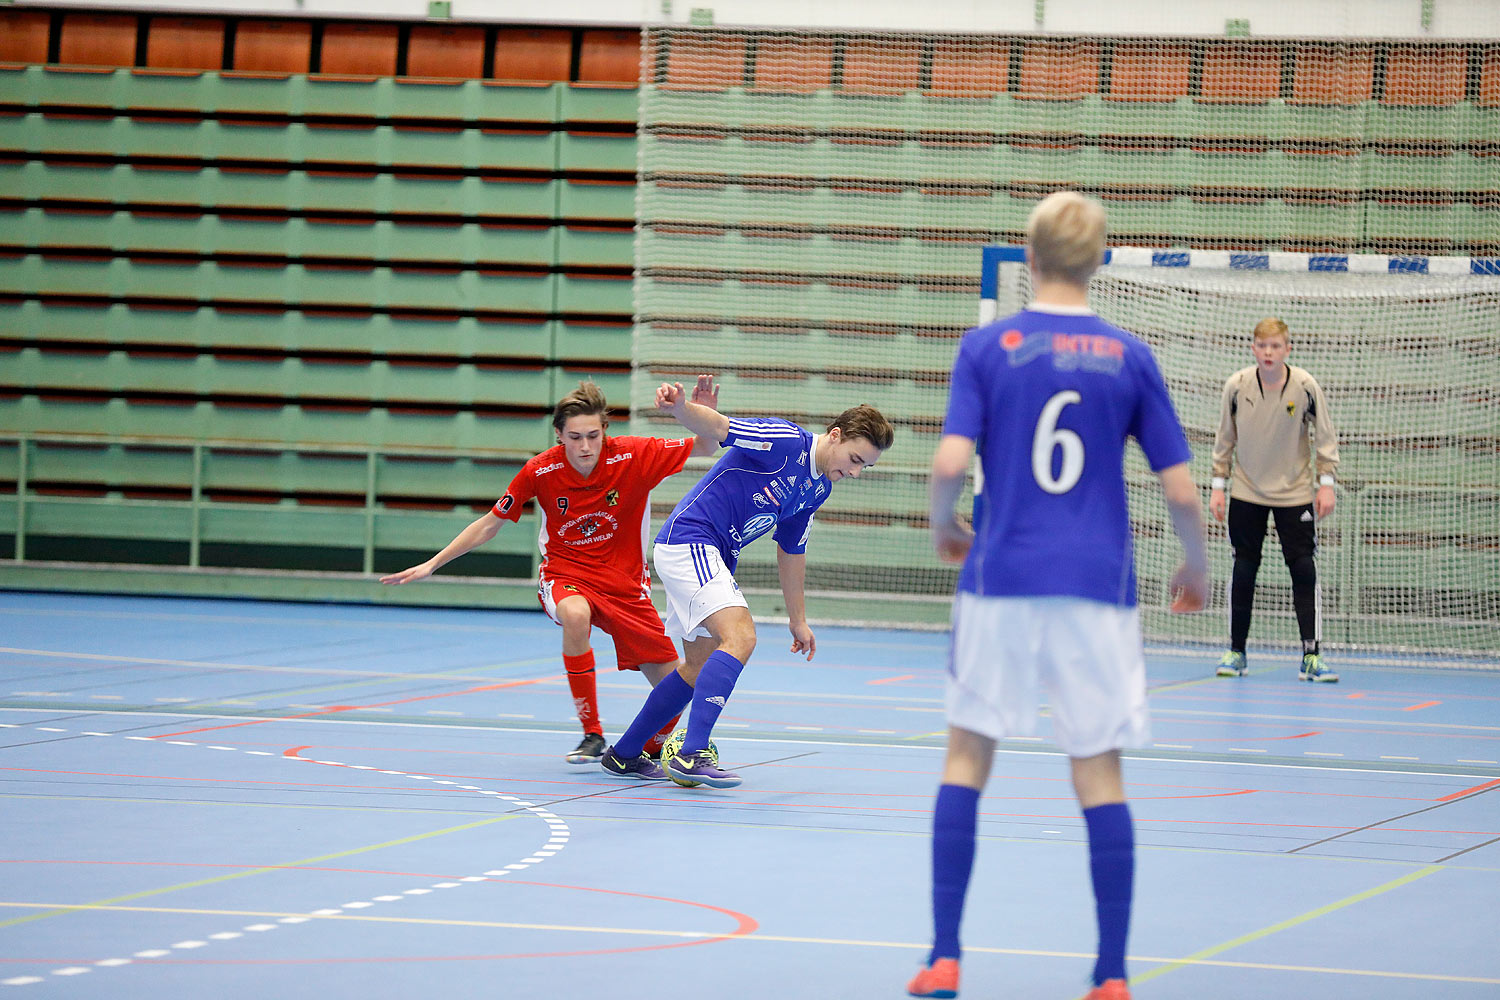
(1263, 426)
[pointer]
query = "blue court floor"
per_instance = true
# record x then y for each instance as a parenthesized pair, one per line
(257, 800)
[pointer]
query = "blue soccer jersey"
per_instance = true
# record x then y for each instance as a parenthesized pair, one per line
(766, 479)
(1049, 395)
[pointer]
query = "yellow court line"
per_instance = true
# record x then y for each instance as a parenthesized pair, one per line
(104, 903)
(776, 939)
(1206, 679)
(1321, 911)
(361, 677)
(320, 807)
(363, 682)
(375, 675)
(365, 624)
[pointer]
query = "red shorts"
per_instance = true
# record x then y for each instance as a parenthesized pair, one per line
(633, 622)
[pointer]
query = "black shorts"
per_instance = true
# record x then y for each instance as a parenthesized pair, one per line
(1297, 527)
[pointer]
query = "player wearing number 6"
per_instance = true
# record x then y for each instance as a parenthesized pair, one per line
(1046, 597)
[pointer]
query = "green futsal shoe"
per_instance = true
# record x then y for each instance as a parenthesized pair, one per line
(1233, 664)
(1313, 669)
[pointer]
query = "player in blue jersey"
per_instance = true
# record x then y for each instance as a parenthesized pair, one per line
(1047, 591)
(771, 480)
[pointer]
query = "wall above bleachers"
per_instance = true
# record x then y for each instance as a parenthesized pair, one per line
(1471, 19)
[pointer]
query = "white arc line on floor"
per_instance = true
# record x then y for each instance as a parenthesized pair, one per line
(557, 839)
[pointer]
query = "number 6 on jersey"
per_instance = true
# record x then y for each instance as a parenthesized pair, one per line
(1049, 437)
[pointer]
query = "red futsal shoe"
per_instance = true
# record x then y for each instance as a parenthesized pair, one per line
(940, 979)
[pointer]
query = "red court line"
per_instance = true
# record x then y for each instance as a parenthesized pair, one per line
(1469, 791)
(353, 708)
(891, 680)
(1425, 704)
(744, 925)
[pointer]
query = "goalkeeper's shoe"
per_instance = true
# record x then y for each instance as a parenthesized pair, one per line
(589, 751)
(940, 979)
(641, 767)
(1313, 669)
(1233, 664)
(702, 767)
(1110, 989)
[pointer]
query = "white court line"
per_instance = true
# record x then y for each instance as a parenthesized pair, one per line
(1136, 754)
(1299, 719)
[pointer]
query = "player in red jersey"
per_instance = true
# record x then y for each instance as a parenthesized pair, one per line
(593, 490)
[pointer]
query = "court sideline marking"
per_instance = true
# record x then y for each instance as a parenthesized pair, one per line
(1140, 754)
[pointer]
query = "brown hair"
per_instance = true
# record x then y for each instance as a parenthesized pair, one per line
(1271, 327)
(1065, 237)
(587, 399)
(866, 422)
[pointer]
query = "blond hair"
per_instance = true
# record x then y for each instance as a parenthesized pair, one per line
(586, 400)
(864, 421)
(1065, 237)
(1271, 327)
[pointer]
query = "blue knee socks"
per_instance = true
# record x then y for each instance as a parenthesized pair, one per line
(669, 697)
(710, 694)
(1112, 864)
(954, 819)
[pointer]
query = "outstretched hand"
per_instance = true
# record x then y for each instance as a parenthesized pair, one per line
(706, 392)
(409, 575)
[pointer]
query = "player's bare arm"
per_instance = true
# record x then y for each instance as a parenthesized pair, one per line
(791, 569)
(481, 530)
(951, 537)
(701, 420)
(1190, 581)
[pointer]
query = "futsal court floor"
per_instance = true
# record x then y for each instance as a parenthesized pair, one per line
(262, 800)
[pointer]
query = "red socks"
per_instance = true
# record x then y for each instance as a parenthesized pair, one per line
(654, 744)
(580, 670)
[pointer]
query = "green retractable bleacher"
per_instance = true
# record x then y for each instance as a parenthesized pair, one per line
(257, 310)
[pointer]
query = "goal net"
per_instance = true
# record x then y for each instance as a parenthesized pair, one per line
(811, 207)
(1406, 351)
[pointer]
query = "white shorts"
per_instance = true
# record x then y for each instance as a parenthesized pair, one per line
(696, 583)
(1086, 654)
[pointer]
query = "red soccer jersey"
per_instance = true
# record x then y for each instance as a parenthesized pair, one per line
(595, 528)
